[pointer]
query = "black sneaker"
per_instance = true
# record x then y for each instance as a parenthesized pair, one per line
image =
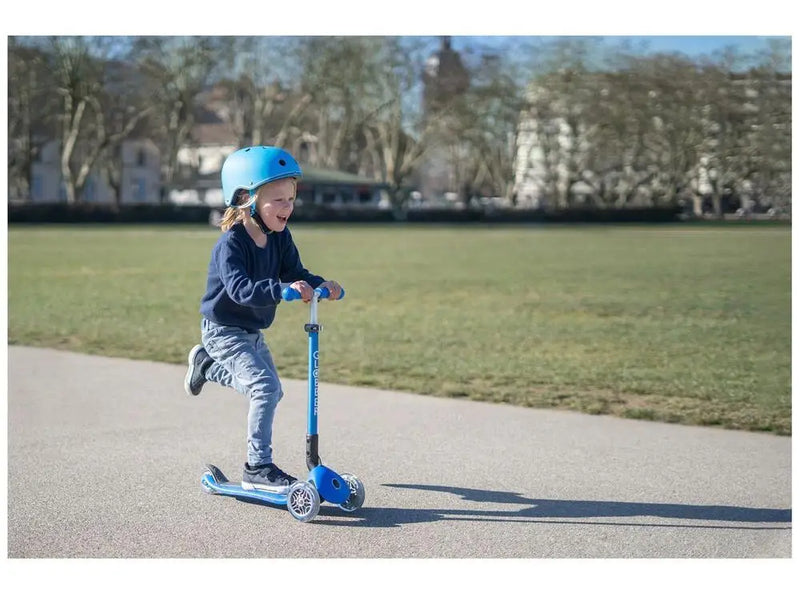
(266, 477)
(199, 361)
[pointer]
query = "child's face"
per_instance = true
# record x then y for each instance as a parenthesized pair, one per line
(275, 203)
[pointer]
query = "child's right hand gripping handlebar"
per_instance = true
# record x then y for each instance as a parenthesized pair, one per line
(290, 294)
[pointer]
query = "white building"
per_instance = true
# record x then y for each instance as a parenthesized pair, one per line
(540, 164)
(139, 176)
(200, 163)
(547, 147)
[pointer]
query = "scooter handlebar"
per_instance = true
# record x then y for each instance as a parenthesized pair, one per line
(325, 293)
(290, 294)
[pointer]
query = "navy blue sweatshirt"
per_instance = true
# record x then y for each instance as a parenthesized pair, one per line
(243, 288)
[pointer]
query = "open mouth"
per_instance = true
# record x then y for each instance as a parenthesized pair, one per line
(282, 219)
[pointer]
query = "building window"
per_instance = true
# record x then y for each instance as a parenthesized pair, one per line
(304, 196)
(139, 190)
(303, 153)
(89, 190)
(141, 158)
(36, 188)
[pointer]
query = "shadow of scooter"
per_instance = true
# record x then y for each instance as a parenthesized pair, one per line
(539, 510)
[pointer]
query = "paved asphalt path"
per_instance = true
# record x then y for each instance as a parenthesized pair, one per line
(105, 457)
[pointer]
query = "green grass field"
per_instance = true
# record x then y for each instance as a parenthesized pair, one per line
(671, 323)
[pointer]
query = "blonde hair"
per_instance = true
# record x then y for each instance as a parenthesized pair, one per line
(237, 213)
(244, 199)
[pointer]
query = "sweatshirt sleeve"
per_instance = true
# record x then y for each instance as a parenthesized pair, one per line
(238, 285)
(292, 268)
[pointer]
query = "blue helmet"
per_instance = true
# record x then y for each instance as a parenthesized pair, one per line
(250, 168)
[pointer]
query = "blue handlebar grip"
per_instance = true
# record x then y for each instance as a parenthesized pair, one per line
(325, 292)
(290, 294)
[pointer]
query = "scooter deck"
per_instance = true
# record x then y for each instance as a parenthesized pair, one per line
(215, 482)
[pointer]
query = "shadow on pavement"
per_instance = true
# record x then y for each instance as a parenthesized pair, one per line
(538, 510)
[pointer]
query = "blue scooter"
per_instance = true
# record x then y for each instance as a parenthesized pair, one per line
(303, 498)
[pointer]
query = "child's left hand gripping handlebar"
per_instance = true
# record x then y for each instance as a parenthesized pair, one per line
(290, 294)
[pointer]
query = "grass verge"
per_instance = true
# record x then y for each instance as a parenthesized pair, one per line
(669, 323)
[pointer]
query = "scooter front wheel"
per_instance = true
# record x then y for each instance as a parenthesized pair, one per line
(303, 501)
(357, 493)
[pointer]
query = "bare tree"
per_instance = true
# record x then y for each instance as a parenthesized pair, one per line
(78, 76)
(771, 129)
(359, 116)
(647, 128)
(30, 107)
(674, 92)
(558, 107)
(337, 75)
(651, 129)
(558, 119)
(89, 84)
(176, 70)
(396, 136)
(261, 105)
(726, 128)
(492, 107)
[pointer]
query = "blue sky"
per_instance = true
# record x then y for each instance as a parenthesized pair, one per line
(695, 45)
(692, 45)
(747, 47)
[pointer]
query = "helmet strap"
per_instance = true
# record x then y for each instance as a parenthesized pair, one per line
(259, 221)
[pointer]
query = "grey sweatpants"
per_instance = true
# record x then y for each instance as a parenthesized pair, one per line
(242, 361)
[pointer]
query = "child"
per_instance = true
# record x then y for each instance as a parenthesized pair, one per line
(249, 262)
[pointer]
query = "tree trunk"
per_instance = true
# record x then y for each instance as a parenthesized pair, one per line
(69, 139)
(697, 201)
(716, 200)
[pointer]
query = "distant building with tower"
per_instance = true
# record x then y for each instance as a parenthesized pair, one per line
(445, 79)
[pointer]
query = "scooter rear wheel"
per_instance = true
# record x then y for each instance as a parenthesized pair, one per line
(205, 487)
(357, 493)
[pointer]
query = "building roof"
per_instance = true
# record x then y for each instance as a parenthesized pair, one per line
(329, 176)
(212, 134)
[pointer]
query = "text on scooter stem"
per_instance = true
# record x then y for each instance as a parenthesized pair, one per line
(315, 373)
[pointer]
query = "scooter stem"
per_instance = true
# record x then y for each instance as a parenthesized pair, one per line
(312, 435)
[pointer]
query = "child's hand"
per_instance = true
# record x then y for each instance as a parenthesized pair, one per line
(333, 287)
(306, 291)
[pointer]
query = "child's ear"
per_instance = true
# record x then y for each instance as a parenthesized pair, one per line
(242, 197)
